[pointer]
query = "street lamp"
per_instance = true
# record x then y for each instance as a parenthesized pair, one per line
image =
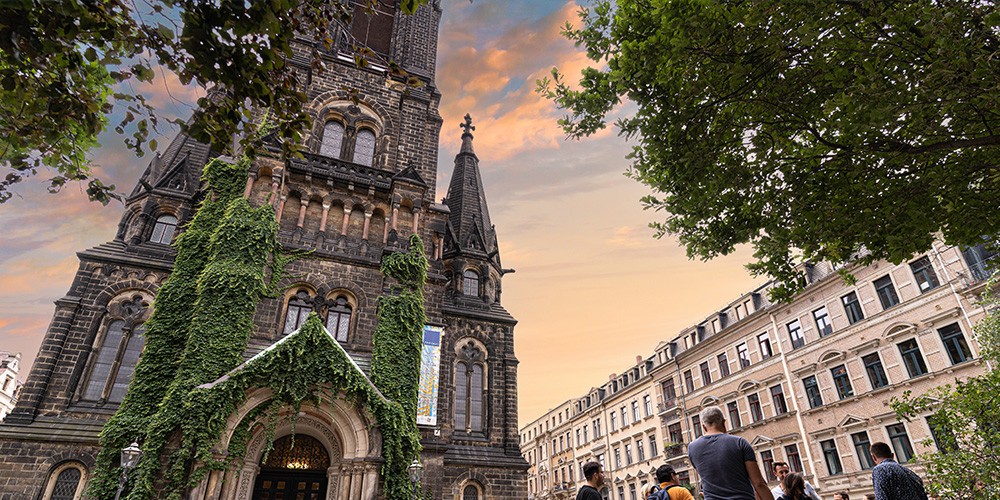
(416, 470)
(130, 457)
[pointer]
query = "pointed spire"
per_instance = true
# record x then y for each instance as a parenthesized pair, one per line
(467, 128)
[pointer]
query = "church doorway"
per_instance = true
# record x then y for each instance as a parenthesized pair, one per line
(296, 469)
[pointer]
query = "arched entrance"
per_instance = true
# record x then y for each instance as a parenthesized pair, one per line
(296, 469)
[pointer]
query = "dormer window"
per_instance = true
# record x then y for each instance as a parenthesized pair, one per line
(333, 139)
(470, 283)
(163, 230)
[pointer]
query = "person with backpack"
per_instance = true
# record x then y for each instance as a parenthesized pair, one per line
(670, 488)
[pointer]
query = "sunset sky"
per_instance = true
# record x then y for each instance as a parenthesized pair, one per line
(592, 290)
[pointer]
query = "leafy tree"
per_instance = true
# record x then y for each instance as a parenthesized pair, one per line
(66, 67)
(964, 419)
(811, 130)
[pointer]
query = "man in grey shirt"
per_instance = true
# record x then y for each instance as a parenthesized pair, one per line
(727, 464)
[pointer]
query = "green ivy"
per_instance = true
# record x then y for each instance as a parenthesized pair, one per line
(207, 306)
(167, 328)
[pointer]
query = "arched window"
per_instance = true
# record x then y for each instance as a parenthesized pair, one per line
(338, 318)
(470, 283)
(299, 307)
(364, 147)
(65, 482)
(469, 392)
(470, 492)
(333, 139)
(119, 353)
(163, 230)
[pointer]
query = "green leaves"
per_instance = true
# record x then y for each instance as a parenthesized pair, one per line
(827, 127)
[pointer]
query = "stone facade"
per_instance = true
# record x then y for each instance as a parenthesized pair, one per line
(807, 382)
(367, 183)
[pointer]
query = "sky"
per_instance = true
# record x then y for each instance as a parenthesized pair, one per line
(592, 289)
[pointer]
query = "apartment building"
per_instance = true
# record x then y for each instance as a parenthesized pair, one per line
(808, 382)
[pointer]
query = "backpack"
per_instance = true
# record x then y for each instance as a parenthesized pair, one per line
(661, 494)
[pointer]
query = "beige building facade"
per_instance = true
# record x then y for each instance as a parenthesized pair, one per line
(808, 382)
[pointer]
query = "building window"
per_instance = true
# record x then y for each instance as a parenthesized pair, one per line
(613, 424)
(470, 389)
(744, 354)
(900, 443)
(723, 365)
(653, 449)
(628, 454)
(981, 261)
(955, 344)
(65, 483)
(912, 358)
(618, 458)
(778, 397)
(163, 230)
(470, 493)
(621, 492)
(944, 439)
(689, 381)
(852, 307)
(812, 392)
(734, 415)
(635, 412)
(795, 334)
(873, 366)
(624, 416)
(640, 449)
(842, 382)
(767, 463)
(706, 375)
(696, 426)
(832, 457)
(299, 307)
(675, 434)
(333, 139)
(669, 392)
(862, 447)
(119, 352)
(364, 147)
(586, 429)
(765, 345)
(338, 318)
(923, 272)
(470, 283)
(597, 428)
(647, 403)
(631, 491)
(823, 324)
(794, 461)
(886, 292)
(755, 410)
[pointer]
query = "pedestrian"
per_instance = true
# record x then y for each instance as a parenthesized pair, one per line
(893, 481)
(648, 489)
(842, 495)
(727, 464)
(669, 487)
(594, 474)
(780, 470)
(793, 487)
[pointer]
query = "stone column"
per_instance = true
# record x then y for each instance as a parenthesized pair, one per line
(395, 213)
(275, 184)
(416, 220)
(304, 203)
(347, 219)
(322, 220)
(281, 208)
(368, 223)
(251, 177)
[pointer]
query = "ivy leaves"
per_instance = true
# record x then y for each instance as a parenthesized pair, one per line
(67, 67)
(810, 131)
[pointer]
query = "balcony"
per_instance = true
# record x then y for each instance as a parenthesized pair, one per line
(673, 450)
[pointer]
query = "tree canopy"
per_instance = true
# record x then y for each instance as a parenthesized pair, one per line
(65, 69)
(811, 130)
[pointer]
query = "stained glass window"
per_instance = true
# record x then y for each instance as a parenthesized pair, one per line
(66, 484)
(333, 138)
(106, 356)
(338, 319)
(298, 452)
(299, 307)
(364, 147)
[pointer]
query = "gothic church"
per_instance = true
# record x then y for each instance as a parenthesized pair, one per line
(366, 185)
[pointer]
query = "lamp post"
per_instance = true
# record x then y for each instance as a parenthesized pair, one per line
(416, 470)
(130, 457)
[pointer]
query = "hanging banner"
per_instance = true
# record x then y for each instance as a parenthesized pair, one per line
(430, 371)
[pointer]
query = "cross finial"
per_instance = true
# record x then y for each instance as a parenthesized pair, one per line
(467, 126)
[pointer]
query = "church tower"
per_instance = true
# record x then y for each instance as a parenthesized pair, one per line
(364, 185)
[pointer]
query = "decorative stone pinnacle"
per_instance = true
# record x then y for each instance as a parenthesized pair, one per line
(467, 126)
